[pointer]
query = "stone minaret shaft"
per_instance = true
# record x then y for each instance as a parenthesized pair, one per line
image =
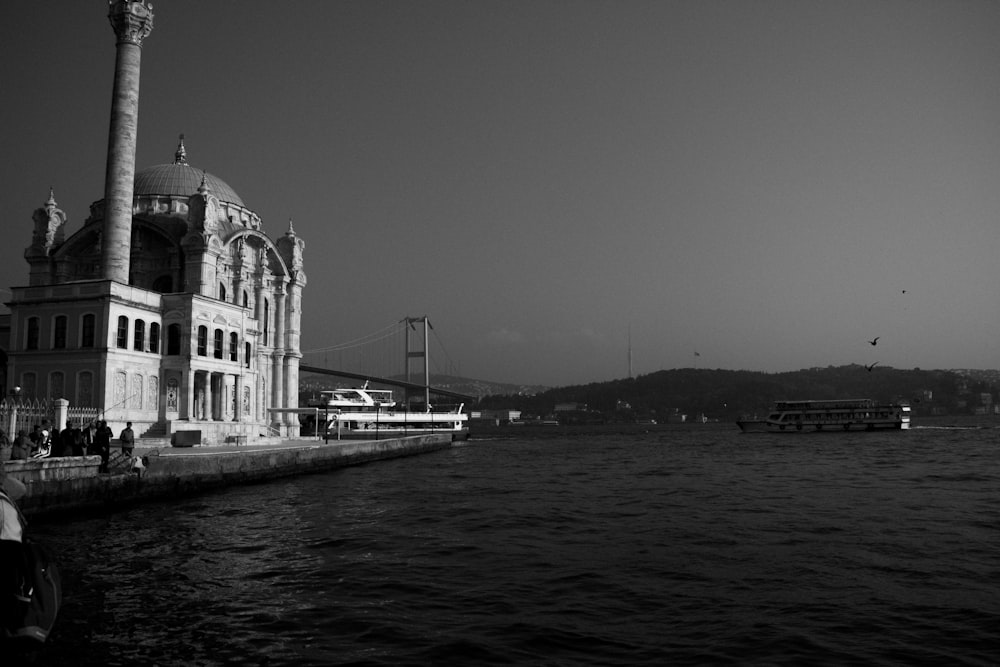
(132, 21)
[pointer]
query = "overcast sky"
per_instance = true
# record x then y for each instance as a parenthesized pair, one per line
(754, 182)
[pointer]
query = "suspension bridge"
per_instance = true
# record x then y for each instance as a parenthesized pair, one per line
(403, 354)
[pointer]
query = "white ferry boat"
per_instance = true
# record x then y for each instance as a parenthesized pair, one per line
(372, 413)
(862, 414)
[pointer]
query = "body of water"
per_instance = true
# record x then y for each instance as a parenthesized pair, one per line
(685, 545)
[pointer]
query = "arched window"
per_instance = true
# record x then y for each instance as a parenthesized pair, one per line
(87, 331)
(57, 385)
(154, 337)
(85, 389)
(222, 292)
(246, 354)
(59, 333)
(202, 341)
(139, 336)
(173, 339)
(122, 332)
(246, 299)
(31, 340)
(163, 285)
(29, 384)
(234, 347)
(217, 347)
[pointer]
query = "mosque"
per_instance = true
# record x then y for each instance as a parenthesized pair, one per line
(171, 307)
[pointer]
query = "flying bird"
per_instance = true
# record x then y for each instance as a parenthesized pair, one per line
(874, 341)
(869, 368)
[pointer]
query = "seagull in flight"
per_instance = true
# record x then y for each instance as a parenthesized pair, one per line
(874, 341)
(869, 368)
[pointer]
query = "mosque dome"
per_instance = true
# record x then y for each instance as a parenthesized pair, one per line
(181, 179)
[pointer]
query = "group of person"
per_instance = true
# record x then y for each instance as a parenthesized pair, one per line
(93, 439)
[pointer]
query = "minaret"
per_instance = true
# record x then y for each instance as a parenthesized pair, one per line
(132, 21)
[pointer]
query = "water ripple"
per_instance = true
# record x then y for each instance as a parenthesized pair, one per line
(690, 546)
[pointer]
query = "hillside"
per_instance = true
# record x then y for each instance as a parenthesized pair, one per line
(724, 394)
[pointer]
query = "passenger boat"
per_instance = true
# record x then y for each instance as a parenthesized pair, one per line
(368, 414)
(862, 414)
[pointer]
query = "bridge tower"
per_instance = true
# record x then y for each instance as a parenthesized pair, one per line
(419, 354)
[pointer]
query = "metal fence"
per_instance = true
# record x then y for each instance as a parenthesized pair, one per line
(82, 416)
(26, 413)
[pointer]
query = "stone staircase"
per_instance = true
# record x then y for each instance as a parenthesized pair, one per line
(157, 430)
(153, 437)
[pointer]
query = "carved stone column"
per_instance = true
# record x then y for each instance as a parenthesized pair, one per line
(132, 21)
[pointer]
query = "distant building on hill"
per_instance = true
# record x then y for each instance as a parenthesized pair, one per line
(497, 417)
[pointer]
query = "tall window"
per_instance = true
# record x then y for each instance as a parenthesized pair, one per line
(174, 339)
(217, 348)
(85, 389)
(246, 354)
(87, 330)
(222, 292)
(122, 332)
(234, 347)
(246, 299)
(267, 319)
(139, 336)
(31, 342)
(154, 337)
(59, 333)
(202, 341)
(57, 385)
(29, 384)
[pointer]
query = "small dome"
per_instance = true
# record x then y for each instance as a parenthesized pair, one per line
(184, 180)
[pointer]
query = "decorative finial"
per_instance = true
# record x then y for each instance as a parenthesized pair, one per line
(132, 20)
(52, 198)
(203, 188)
(291, 230)
(180, 157)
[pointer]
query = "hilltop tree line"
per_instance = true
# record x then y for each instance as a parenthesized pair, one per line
(725, 394)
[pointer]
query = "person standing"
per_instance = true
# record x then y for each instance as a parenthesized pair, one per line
(88, 439)
(65, 447)
(102, 442)
(127, 439)
(77, 442)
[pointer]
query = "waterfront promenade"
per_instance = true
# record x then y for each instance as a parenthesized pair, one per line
(73, 484)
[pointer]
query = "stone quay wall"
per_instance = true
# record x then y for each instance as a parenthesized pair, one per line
(73, 484)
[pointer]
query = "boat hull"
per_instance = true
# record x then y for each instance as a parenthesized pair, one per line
(388, 433)
(763, 426)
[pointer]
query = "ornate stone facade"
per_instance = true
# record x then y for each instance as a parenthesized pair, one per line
(190, 320)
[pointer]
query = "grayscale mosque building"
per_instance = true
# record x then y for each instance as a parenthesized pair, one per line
(170, 307)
